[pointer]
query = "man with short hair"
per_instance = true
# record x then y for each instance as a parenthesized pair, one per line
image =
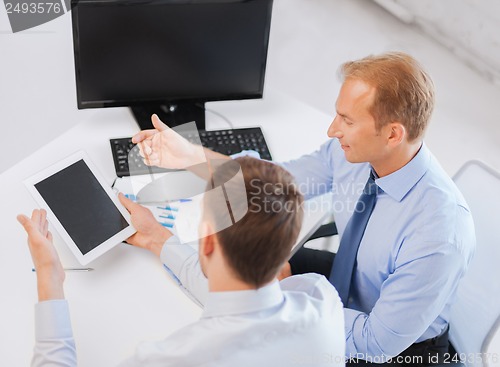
(416, 239)
(249, 318)
(419, 239)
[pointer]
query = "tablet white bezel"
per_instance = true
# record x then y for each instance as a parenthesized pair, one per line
(103, 247)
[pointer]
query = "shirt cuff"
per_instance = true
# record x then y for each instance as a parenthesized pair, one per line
(246, 153)
(52, 320)
(350, 318)
(174, 254)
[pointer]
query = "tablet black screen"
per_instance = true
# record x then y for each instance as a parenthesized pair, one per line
(82, 206)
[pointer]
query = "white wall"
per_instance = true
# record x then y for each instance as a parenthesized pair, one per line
(311, 38)
(469, 28)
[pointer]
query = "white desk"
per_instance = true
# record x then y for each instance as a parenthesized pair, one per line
(129, 297)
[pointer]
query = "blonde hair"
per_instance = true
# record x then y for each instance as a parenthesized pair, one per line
(404, 91)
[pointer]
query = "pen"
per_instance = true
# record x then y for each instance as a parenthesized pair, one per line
(71, 269)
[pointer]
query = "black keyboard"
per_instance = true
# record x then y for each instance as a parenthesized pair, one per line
(128, 162)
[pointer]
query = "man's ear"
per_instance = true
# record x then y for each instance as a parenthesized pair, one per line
(207, 241)
(396, 133)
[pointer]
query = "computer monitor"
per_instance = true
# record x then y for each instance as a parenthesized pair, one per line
(169, 56)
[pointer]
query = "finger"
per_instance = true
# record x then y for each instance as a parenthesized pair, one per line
(131, 240)
(146, 160)
(148, 146)
(43, 221)
(45, 229)
(158, 124)
(35, 219)
(127, 203)
(143, 135)
(145, 147)
(23, 220)
(141, 150)
(152, 160)
(49, 236)
(27, 223)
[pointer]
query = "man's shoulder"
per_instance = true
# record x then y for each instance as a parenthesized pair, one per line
(440, 210)
(303, 282)
(313, 286)
(438, 189)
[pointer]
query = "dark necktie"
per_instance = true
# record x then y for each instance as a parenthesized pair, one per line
(345, 259)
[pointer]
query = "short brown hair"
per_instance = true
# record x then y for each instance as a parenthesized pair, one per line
(404, 91)
(258, 244)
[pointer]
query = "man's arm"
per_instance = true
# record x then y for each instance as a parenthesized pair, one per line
(410, 300)
(181, 260)
(313, 172)
(54, 343)
(163, 147)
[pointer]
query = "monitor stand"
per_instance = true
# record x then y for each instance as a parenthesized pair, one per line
(172, 114)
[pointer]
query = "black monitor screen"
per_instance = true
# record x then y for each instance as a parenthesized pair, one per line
(129, 52)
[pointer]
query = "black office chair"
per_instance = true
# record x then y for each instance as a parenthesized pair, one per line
(326, 230)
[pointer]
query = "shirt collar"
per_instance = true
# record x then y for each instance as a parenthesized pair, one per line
(399, 183)
(241, 302)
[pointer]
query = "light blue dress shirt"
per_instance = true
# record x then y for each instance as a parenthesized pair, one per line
(415, 249)
(298, 321)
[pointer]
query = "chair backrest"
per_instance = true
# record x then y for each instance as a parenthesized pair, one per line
(491, 346)
(475, 316)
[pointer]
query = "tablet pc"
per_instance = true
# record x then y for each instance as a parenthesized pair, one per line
(81, 206)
